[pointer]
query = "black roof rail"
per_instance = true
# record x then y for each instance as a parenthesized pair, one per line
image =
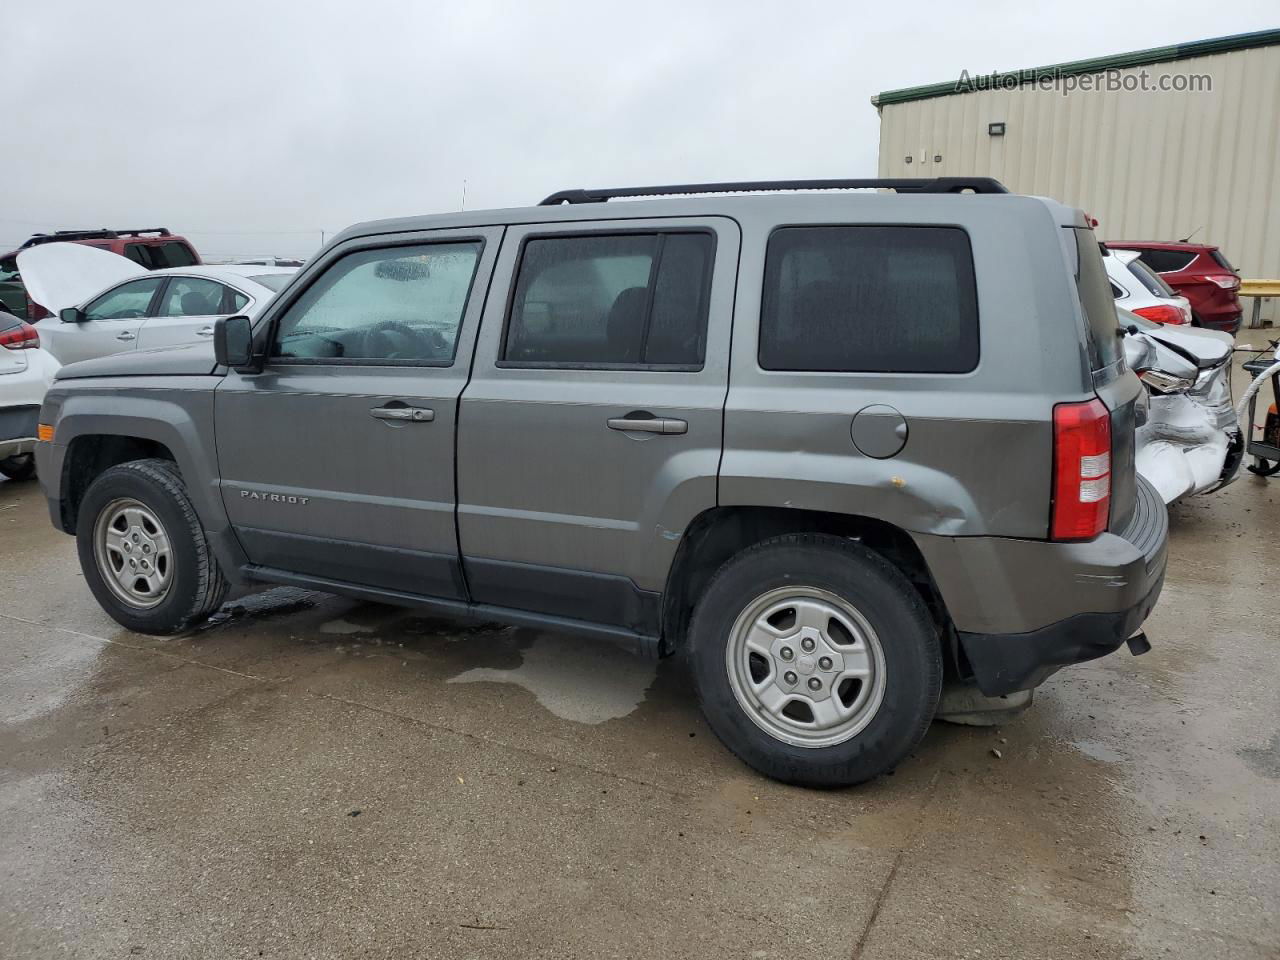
(60, 236)
(901, 185)
(66, 236)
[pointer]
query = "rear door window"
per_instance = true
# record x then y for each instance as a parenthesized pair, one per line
(606, 300)
(869, 299)
(196, 297)
(1150, 279)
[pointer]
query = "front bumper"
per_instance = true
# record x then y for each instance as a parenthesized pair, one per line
(1024, 608)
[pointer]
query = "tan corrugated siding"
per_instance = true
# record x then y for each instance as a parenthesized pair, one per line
(1149, 166)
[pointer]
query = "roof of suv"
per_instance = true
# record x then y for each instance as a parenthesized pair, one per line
(788, 198)
(1162, 245)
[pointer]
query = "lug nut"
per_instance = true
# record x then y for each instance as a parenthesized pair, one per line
(146, 548)
(807, 644)
(824, 663)
(786, 653)
(789, 677)
(128, 547)
(815, 683)
(135, 538)
(133, 563)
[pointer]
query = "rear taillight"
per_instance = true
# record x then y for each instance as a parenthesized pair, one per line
(1227, 282)
(1081, 470)
(21, 337)
(1162, 314)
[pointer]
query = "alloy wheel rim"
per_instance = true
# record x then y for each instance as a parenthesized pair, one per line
(806, 666)
(133, 553)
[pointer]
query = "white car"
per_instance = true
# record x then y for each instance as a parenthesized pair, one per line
(26, 371)
(1189, 441)
(1138, 289)
(102, 303)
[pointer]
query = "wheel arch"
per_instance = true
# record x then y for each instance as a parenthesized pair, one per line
(719, 533)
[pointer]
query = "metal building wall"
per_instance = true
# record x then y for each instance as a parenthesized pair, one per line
(1149, 166)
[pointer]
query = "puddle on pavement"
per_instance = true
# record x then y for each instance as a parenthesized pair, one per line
(579, 680)
(343, 628)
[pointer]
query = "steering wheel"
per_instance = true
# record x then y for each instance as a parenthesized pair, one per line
(386, 340)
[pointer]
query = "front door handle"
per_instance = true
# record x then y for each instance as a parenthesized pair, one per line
(665, 425)
(205, 332)
(415, 414)
(126, 336)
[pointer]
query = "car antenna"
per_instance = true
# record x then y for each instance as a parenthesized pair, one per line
(1191, 234)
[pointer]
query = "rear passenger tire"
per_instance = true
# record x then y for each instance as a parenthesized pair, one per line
(143, 551)
(815, 660)
(21, 467)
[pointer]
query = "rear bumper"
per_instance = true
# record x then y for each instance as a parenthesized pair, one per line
(1025, 608)
(1009, 662)
(18, 430)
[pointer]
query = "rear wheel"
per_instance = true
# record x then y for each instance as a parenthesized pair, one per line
(143, 551)
(815, 660)
(21, 467)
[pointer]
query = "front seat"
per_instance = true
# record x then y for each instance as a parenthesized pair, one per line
(625, 326)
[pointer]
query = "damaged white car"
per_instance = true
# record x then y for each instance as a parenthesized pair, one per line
(1190, 441)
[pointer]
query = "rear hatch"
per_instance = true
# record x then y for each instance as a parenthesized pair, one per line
(1118, 391)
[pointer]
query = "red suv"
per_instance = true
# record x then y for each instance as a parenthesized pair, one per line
(1200, 273)
(153, 248)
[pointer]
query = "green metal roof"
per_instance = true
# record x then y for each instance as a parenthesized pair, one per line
(1138, 58)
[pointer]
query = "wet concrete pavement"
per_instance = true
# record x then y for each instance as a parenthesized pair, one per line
(314, 777)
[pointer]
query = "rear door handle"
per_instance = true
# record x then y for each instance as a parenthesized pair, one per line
(415, 414)
(126, 336)
(665, 425)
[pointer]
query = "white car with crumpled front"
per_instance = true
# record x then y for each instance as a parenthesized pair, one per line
(1190, 441)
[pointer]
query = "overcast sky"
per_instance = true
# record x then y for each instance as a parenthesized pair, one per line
(250, 127)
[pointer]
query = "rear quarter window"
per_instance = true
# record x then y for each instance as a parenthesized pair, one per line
(869, 299)
(1094, 289)
(1166, 261)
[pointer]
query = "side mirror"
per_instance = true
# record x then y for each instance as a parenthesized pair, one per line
(71, 315)
(233, 342)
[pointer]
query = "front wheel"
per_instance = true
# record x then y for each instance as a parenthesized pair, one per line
(143, 551)
(21, 467)
(815, 660)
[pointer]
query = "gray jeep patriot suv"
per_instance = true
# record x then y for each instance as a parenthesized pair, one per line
(832, 446)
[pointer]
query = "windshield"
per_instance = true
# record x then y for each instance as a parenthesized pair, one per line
(1149, 279)
(272, 281)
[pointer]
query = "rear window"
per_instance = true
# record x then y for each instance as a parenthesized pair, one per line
(869, 299)
(272, 281)
(1095, 299)
(157, 256)
(1222, 261)
(1150, 279)
(1166, 261)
